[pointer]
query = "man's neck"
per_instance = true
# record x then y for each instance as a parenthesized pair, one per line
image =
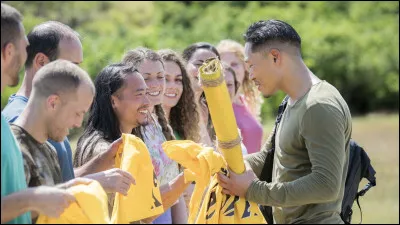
(297, 82)
(26, 86)
(32, 121)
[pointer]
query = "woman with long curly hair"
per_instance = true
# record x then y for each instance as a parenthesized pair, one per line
(247, 103)
(178, 101)
(151, 66)
(195, 55)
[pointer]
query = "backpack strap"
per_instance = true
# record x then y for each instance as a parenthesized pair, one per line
(358, 203)
(266, 173)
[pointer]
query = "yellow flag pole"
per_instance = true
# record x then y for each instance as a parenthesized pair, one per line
(222, 116)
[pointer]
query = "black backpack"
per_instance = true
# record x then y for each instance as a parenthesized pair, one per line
(359, 167)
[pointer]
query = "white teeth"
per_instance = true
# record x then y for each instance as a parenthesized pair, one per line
(154, 93)
(170, 95)
(143, 111)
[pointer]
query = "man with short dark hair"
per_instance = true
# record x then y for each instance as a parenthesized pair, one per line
(50, 41)
(62, 93)
(312, 139)
(17, 201)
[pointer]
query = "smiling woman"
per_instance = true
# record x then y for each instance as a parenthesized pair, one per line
(152, 68)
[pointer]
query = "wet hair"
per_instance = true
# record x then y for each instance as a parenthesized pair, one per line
(251, 94)
(136, 57)
(265, 32)
(183, 117)
(45, 38)
(10, 25)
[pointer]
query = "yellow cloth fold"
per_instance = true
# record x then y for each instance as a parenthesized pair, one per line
(222, 115)
(144, 198)
(202, 164)
(91, 207)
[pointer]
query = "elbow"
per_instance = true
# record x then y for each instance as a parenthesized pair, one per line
(331, 191)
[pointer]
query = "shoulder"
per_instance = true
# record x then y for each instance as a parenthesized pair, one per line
(16, 104)
(19, 133)
(95, 143)
(325, 98)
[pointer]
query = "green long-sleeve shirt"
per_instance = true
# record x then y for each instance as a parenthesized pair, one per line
(310, 162)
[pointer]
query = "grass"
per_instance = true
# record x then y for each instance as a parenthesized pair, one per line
(378, 134)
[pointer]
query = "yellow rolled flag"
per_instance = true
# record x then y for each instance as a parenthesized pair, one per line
(91, 207)
(144, 198)
(222, 115)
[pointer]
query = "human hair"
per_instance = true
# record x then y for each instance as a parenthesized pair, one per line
(251, 94)
(230, 70)
(191, 49)
(136, 57)
(183, 117)
(45, 38)
(265, 32)
(60, 76)
(186, 55)
(102, 117)
(10, 25)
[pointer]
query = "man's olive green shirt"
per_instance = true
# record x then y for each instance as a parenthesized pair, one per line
(310, 162)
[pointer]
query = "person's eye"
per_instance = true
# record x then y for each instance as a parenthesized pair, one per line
(179, 80)
(160, 77)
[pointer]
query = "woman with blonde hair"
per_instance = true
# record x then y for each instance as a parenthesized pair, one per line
(247, 102)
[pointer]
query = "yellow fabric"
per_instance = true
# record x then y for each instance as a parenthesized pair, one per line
(91, 207)
(144, 198)
(222, 115)
(202, 164)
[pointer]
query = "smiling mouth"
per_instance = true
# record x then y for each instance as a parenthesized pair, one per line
(171, 95)
(144, 111)
(155, 93)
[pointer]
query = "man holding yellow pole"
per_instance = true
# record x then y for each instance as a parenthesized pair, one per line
(312, 139)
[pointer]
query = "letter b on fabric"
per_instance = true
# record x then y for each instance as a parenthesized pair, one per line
(144, 198)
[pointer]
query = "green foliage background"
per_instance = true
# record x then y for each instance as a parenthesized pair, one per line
(352, 45)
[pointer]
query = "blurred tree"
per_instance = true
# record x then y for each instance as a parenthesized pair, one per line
(352, 45)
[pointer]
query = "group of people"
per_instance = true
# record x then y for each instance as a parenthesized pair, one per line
(157, 96)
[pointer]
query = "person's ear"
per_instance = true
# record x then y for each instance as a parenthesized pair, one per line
(276, 55)
(8, 52)
(114, 101)
(40, 60)
(53, 102)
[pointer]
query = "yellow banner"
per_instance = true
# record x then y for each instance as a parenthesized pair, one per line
(144, 198)
(91, 207)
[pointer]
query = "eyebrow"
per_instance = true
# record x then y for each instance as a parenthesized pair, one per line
(140, 89)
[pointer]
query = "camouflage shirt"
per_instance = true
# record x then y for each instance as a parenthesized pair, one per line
(40, 159)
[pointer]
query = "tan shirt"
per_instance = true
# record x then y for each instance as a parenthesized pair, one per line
(310, 162)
